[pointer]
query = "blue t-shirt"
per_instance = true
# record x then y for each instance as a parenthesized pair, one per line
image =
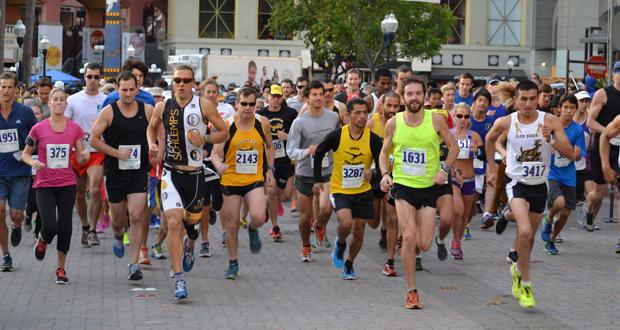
(567, 175)
(482, 128)
(144, 97)
(498, 112)
(468, 100)
(13, 133)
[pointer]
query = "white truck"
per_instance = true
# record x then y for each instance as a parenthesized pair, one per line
(238, 69)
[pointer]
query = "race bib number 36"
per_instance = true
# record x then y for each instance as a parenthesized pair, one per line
(279, 148)
(8, 140)
(352, 176)
(133, 163)
(246, 162)
(414, 162)
(560, 161)
(57, 156)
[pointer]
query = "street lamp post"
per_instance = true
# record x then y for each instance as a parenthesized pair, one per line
(130, 51)
(510, 65)
(44, 44)
(389, 25)
(99, 48)
(154, 71)
(20, 31)
(311, 49)
(76, 30)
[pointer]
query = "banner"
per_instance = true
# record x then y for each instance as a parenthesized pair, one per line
(92, 37)
(137, 41)
(54, 51)
(112, 52)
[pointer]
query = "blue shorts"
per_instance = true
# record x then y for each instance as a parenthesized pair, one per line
(153, 194)
(15, 189)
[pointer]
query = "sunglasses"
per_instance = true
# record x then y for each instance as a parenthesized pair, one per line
(300, 87)
(90, 76)
(462, 116)
(184, 80)
(246, 104)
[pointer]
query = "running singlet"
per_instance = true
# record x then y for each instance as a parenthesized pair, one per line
(562, 168)
(416, 152)
(529, 155)
(177, 122)
(244, 153)
(377, 127)
(464, 145)
(83, 109)
(280, 121)
(127, 133)
(482, 128)
(582, 163)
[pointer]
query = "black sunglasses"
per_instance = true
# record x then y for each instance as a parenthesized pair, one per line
(184, 80)
(462, 116)
(245, 104)
(300, 87)
(90, 76)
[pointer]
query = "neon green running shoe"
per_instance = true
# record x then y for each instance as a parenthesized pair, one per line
(126, 239)
(527, 297)
(516, 282)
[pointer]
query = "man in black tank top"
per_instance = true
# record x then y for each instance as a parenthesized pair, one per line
(604, 108)
(126, 166)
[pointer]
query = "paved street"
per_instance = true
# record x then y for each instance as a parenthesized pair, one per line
(577, 289)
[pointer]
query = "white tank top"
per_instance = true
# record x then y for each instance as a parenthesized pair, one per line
(529, 155)
(375, 102)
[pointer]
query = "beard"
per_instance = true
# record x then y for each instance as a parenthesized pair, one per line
(413, 106)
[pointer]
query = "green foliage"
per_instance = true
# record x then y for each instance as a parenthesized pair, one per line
(352, 28)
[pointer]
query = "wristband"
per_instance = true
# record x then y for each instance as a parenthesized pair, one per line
(445, 168)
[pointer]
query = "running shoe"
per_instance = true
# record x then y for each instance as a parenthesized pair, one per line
(212, 217)
(293, 208)
(389, 270)
(61, 276)
(27, 223)
(383, 240)
(126, 240)
(280, 209)
(442, 253)
(155, 222)
(479, 207)
(512, 257)
(418, 264)
(306, 254)
(588, 224)
(526, 299)
(487, 221)
(255, 243)
(617, 250)
(205, 250)
(545, 232)
(244, 223)
(559, 239)
(550, 248)
(135, 274)
(502, 222)
(7, 263)
(413, 300)
(276, 234)
(466, 234)
(456, 251)
(326, 243)
(16, 236)
(143, 258)
(157, 251)
(581, 215)
(188, 256)
(180, 290)
(103, 224)
(516, 282)
(338, 254)
(118, 247)
(171, 273)
(92, 239)
(40, 248)
(85, 238)
(233, 271)
(348, 273)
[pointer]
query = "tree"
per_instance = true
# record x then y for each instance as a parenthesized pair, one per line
(28, 40)
(2, 24)
(352, 29)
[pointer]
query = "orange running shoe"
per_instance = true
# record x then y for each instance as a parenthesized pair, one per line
(306, 254)
(320, 236)
(276, 234)
(413, 300)
(143, 259)
(293, 206)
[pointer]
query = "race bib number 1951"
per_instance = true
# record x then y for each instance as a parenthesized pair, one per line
(8, 140)
(414, 162)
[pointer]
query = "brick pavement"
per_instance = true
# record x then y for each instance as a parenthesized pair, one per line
(275, 290)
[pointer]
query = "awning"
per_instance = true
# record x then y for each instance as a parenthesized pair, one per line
(55, 76)
(479, 74)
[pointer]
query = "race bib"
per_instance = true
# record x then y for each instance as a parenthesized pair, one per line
(246, 162)
(279, 148)
(324, 162)
(478, 164)
(463, 149)
(352, 176)
(57, 156)
(533, 170)
(133, 163)
(8, 140)
(87, 140)
(414, 162)
(615, 141)
(560, 161)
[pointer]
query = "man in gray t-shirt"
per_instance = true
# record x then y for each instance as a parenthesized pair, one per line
(307, 131)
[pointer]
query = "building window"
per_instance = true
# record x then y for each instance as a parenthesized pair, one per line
(265, 9)
(458, 30)
(217, 19)
(505, 22)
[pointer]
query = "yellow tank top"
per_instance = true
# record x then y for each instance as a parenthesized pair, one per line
(350, 160)
(377, 127)
(244, 153)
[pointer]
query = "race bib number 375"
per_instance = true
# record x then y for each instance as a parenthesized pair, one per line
(57, 156)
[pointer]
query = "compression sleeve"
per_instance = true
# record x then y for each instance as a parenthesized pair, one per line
(331, 142)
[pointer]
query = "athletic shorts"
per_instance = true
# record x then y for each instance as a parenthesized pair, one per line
(284, 170)
(153, 190)
(557, 189)
(595, 161)
(416, 197)
(468, 188)
(15, 190)
(96, 159)
(377, 193)
(360, 204)
(480, 183)
(119, 184)
(183, 189)
(582, 177)
(213, 195)
(304, 184)
(535, 195)
(241, 190)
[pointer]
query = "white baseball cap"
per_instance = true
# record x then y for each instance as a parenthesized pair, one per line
(582, 95)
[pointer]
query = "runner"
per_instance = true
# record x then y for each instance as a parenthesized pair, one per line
(610, 132)
(413, 138)
(354, 148)
(563, 177)
(139, 70)
(527, 156)
(281, 118)
(83, 108)
(184, 119)
(55, 181)
(122, 125)
(383, 84)
(297, 102)
(246, 156)
(448, 92)
(16, 120)
(464, 92)
(353, 91)
(307, 131)
(585, 184)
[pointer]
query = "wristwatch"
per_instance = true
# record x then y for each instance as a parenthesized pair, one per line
(445, 168)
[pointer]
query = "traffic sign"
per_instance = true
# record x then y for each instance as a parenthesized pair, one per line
(597, 70)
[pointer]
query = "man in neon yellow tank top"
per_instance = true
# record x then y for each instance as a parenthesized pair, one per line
(413, 138)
